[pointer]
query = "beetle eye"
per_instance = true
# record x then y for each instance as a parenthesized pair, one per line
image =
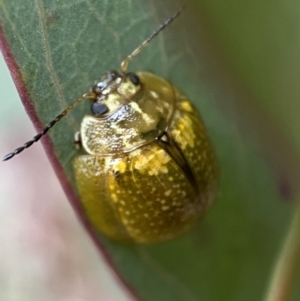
(99, 86)
(99, 109)
(134, 78)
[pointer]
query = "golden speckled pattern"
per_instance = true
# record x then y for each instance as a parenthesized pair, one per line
(189, 133)
(154, 202)
(145, 195)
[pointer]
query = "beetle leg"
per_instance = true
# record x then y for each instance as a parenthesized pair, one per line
(77, 140)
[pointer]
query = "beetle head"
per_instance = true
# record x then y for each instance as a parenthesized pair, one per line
(112, 91)
(107, 83)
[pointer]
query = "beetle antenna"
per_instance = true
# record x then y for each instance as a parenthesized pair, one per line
(125, 62)
(37, 137)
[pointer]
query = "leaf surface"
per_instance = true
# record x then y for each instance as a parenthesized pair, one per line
(55, 51)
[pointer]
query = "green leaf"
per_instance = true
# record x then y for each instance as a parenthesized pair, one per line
(55, 51)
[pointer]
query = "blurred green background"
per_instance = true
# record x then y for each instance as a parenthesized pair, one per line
(260, 41)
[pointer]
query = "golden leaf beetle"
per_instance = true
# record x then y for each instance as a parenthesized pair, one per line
(149, 171)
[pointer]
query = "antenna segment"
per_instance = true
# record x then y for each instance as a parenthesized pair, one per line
(125, 62)
(37, 137)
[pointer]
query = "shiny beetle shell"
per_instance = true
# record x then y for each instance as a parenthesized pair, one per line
(149, 171)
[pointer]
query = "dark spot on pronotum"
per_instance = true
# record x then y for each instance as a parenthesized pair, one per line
(134, 78)
(99, 109)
